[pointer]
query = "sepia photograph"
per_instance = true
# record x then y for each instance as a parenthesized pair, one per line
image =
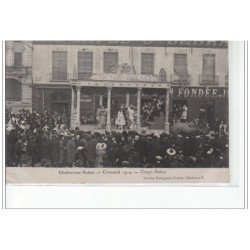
(124, 125)
(96, 110)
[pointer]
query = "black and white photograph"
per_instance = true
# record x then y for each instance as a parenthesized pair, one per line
(124, 125)
(71, 105)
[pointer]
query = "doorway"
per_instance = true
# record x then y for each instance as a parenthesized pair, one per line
(178, 108)
(59, 102)
(59, 107)
(210, 114)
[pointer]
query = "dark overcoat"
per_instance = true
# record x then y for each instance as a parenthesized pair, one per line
(45, 149)
(54, 150)
(71, 151)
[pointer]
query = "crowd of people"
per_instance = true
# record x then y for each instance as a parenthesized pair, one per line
(45, 139)
(88, 120)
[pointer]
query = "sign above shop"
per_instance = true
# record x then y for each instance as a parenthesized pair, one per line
(205, 92)
(86, 98)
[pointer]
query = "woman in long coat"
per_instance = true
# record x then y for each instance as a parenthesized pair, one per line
(62, 151)
(100, 154)
(91, 151)
(71, 151)
(54, 150)
(45, 147)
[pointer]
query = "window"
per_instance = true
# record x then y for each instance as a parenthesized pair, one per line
(110, 62)
(85, 64)
(59, 65)
(180, 66)
(147, 63)
(162, 75)
(13, 90)
(18, 58)
(208, 68)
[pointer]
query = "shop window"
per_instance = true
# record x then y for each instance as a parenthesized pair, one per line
(13, 90)
(18, 59)
(147, 63)
(59, 65)
(208, 68)
(110, 62)
(85, 64)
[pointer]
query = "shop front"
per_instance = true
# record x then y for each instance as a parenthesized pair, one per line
(203, 103)
(53, 99)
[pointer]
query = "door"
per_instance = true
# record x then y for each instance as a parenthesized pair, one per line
(59, 102)
(59, 107)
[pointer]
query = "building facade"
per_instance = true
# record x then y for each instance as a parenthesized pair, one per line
(75, 77)
(18, 74)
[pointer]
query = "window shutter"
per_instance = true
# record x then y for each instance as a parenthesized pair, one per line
(85, 62)
(18, 58)
(147, 63)
(180, 65)
(59, 65)
(208, 68)
(110, 62)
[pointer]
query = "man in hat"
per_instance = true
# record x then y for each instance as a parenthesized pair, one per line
(91, 151)
(113, 150)
(45, 150)
(141, 147)
(38, 140)
(154, 148)
(71, 150)
(54, 150)
(78, 143)
(32, 150)
(124, 154)
(19, 151)
(100, 154)
(62, 150)
(11, 140)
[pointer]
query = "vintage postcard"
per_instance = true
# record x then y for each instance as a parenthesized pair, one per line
(116, 112)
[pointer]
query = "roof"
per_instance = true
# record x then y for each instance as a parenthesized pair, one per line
(190, 44)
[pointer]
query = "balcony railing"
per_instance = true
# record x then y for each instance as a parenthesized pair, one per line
(16, 70)
(117, 77)
(177, 79)
(59, 77)
(214, 80)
